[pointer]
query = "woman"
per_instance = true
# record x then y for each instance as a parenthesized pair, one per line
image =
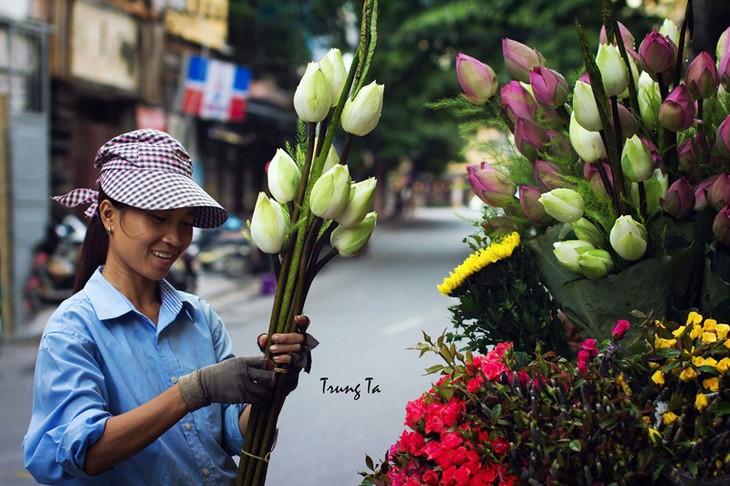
(135, 382)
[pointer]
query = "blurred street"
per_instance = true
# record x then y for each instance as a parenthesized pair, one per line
(365, 312)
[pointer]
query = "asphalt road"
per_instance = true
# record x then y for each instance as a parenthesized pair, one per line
(365, 312)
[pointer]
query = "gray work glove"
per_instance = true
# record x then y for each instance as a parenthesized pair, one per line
(234, 380)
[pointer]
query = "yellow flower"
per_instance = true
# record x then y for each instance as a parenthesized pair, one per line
(709, 325)
(711, 362)
(477, 261)
(727, 343)
(661, 343)
(688, 374)
(694, 318)
(658, 377)
(698, 361)
(654, 435)
(701, 401)
(709, 337)
(646, 420)
(723, 365)
(626, 388)
(712, 384)
(669, 417)
(678, 332)
(722, 330)
(696, 331)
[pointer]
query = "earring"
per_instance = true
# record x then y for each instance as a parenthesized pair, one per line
(109, 230)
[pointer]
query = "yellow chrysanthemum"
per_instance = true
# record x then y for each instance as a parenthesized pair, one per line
(694, 318)
(701, 401)
(722, 331)
(712, 384)
(669, 417)
(477, 261)
(658, 377)
(688, 374)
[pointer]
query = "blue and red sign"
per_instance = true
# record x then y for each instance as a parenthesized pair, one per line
(215, 90)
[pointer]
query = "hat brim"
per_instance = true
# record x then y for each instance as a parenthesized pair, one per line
(160, 190)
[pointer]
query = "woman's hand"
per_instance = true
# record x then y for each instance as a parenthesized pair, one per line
(291, 352)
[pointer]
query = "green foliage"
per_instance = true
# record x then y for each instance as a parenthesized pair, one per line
(505, 302)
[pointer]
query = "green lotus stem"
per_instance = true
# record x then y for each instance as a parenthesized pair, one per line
(687, 23)
(612, 30)
(608, 133)
(294, 271)
(346, 148)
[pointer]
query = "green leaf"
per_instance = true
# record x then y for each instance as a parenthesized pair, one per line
(721, 408)
(575, 445)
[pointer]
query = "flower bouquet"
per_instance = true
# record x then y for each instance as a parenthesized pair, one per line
(620, 186)
(495, 419)
(649, 404)
(313, 202)
(683, 375)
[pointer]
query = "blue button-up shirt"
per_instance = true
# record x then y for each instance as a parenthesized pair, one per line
(100, 357)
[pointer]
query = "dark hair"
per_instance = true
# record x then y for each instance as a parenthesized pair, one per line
(95, 247)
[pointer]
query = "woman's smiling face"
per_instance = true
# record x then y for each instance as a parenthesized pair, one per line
(146, 243)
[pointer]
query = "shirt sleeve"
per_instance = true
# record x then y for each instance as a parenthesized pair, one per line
(223, 348)
(69, 406)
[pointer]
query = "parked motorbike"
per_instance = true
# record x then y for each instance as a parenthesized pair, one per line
(228, 251)
(183, 274)
(53, 268)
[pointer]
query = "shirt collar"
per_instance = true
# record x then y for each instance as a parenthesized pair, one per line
(109, 303)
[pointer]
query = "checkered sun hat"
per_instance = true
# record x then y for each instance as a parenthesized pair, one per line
(148, 169)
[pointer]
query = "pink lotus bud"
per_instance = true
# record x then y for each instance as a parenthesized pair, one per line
(657, 53)
(721, 226)
(692, 151)
(723, 44)
(547, 175)
(517, 102)
(629, 126)
(477, 79)
(679, 200)
(559, 146)
(585, 77)
(549, 87)
(701, 193)
(593, 176)
(520, 59)
(530, 138)
(723, 71)
(718, 194)
(490, 185)
(722, 139)
(701, 77)
(531, 206)
(626, 36)
(678, 111)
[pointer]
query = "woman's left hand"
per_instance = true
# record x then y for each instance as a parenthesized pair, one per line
(292, 349)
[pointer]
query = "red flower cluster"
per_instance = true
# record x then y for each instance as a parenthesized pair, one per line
(445, 446)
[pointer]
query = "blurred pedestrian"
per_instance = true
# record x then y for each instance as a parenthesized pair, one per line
(135, 382)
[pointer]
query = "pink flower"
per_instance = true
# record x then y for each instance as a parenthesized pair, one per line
(590, 346)
(583, 357)
(474, 384)
(500, 446)
(621, 327)
(415, 411)
(493, 369)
